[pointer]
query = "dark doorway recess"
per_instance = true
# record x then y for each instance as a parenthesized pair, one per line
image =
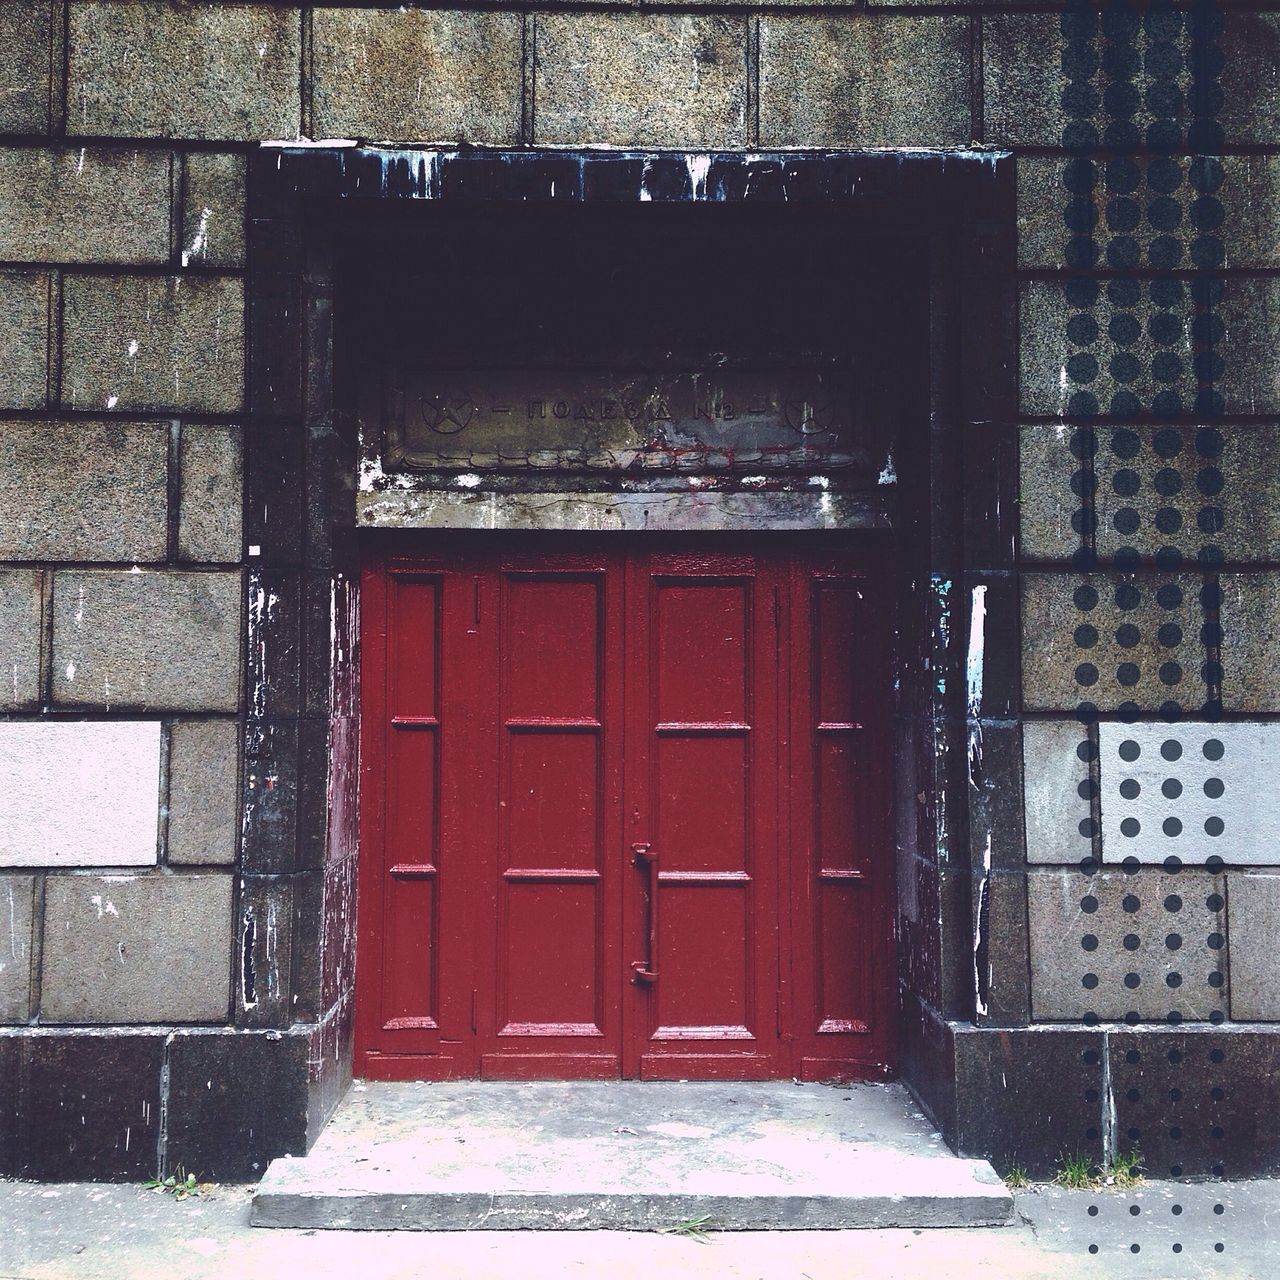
(891, 272)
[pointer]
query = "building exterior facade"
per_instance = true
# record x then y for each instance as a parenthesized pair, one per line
(699, 540)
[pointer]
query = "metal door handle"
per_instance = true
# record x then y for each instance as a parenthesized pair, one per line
(645, 971)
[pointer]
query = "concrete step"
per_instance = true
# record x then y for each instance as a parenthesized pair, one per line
(626, 1155)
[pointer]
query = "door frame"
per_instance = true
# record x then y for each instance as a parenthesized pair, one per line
(958, 473)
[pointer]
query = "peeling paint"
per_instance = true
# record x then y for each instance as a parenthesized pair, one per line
(974, 670)
(981, 947)
(199, 245)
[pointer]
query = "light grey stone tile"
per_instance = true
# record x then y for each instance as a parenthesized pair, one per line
(1056, 790)
(1112, 944)
(1253, 924)
(136, 949)
(79, 794)
(1191, 792)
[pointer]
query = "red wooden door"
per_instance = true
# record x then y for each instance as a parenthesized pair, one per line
(623, 813)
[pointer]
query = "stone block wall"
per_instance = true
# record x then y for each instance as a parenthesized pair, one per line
(171, 602)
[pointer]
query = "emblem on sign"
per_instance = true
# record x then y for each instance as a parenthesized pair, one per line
(447, 417)
(807, 418)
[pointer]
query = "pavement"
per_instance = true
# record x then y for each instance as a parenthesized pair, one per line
(685, 1161)
(82, 1231)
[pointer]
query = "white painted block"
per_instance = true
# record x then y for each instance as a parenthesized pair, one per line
(79, 794)
(1191, 791)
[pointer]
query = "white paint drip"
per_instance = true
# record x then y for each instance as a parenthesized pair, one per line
(699, 167)
(71, 670)
(199, 245)
(980, 934)
(1109, 1113)
(973, 672)
(888, 473)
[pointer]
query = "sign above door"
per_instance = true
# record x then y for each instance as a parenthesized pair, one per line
(716, 420)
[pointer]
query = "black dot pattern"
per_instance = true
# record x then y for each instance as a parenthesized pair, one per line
(1142, 216)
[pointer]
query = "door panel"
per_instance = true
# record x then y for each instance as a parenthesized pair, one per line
(701, 747)
(413, 881)
(840, 839)
(554, 957)
(624, 812)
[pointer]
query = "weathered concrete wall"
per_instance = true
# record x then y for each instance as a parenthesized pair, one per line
(1150, 386)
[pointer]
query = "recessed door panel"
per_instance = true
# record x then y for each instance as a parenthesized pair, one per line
(624, 813)
(841, 901)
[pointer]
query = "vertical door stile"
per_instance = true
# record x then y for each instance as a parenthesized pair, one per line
(478, 776)
(637, 829)
(370, 868)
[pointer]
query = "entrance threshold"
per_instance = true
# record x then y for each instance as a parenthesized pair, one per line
(626, 1155)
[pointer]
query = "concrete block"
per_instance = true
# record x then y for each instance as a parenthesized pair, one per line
(146, 639)
(641, 80)
(1170, 1100)
(1250, 45)
(1051, 486)
(24, 66)
(136, 949)
(1250, 630)
(17, 907)
(158, 343)
(1195, 494)
(204, 781)
(79, 794)
(417, 75)
(211, 501)
(213, 204)
(1047, 75)
(1021, 85)
(1214, 212)
(1250, 199)
(1248, 377)
(1056, 791)
(24, 339)
(21, 616)
(1190, 792)
(84, 204)
(83, 490)
(864, 81)
(1025, 1094)
(1113, 641)
(264, 949)
(1147, 942)
(147, 69)
(90, 1106)
(1119, 347)
(1253, 925)
(236, 1101)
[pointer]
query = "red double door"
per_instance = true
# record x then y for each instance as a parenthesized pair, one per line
(624, 813)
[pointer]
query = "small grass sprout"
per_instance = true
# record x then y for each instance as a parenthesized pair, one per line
(695, 1228)
(179, 1184)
